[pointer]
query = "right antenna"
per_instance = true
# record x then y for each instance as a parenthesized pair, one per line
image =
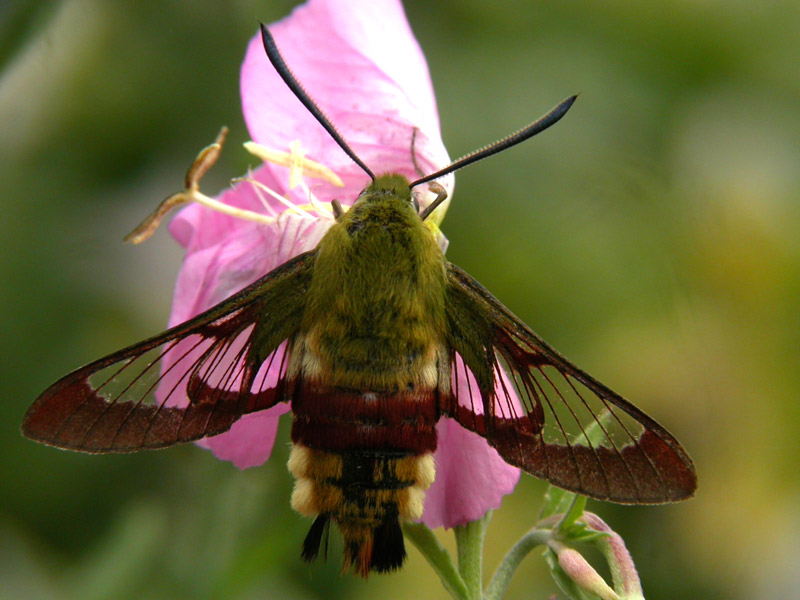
(515, 138)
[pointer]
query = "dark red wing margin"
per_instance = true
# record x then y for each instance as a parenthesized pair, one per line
(192, 381)
(537, 407)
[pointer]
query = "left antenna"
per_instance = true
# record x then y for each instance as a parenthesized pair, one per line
(286, 74)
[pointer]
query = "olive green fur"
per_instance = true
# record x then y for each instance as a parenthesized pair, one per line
(374, 315)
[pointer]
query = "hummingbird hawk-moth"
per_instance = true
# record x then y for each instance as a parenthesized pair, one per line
(371, 338)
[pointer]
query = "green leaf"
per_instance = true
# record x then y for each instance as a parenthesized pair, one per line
(556, 502)
(574, 512)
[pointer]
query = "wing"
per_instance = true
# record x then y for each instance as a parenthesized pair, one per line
(192, 381)
(537, 406)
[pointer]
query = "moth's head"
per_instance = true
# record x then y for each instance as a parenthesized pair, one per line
(391, 187)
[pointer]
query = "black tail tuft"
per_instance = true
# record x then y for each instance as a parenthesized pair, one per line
(388, 549)
(311, 544)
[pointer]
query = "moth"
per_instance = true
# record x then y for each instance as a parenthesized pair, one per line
(374, 337)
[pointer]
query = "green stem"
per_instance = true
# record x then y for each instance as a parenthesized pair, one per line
(438, 558)
(469, 543)
(502, 576)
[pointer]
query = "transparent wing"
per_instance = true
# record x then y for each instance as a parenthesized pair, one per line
(536, 406)
(192, 381)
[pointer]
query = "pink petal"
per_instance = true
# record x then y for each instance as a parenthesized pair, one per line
(471, 478)
(249, 442)
(211, 273)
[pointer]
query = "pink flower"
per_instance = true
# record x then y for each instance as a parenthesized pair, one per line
(377, 94)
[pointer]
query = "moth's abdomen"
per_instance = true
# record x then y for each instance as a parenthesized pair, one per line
(363, 460)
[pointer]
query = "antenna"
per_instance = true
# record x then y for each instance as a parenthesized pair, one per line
(286, 74)
(515, 138)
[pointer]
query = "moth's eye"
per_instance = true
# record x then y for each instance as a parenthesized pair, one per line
(415, 202)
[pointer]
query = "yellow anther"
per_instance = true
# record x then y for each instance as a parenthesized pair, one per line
(298, 165)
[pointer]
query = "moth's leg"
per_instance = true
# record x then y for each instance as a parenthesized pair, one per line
(338, 211)
(441, 196)
(441, 193)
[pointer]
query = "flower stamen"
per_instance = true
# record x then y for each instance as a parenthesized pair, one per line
(260, 187)
(297, 163)
(191, 193)
(299, 168)
(323, 210)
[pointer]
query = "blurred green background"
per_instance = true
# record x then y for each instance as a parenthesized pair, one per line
(651, 236)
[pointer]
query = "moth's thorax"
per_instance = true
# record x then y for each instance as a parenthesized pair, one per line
(375, 316)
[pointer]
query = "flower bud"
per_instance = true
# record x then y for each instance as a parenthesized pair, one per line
(583, 574)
